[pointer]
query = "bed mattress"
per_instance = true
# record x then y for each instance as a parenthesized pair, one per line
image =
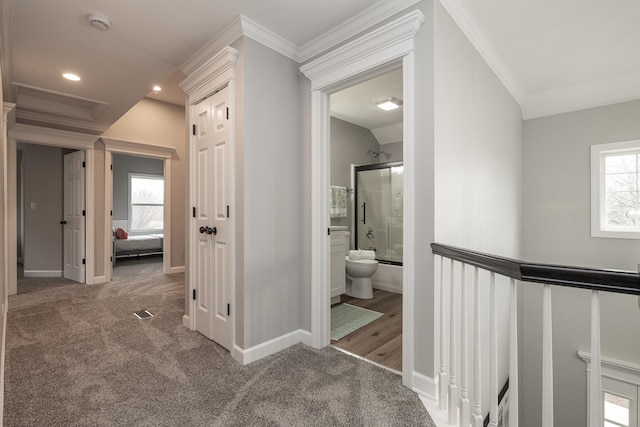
(143, 243)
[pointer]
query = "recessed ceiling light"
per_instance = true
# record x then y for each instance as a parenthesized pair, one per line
(389, 104)
(71, 76)
(99, 21)
(157, 88)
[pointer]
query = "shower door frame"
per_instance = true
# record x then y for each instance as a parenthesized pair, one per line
(374, 166)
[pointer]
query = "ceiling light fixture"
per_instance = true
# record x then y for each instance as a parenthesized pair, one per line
(99, 21)
(157, 88)
(72, 77)
(389, 104)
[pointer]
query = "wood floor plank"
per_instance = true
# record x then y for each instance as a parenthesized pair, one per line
(380, 340)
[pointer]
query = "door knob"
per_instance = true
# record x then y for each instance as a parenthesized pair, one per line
(63, 222)
(212, 230)
(203, 229)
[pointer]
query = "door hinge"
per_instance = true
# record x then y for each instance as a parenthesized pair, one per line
(111, 213)
(111, 258)
(228, 309)
(111, 167)
(194, 294)
(227, 113)
(84, 164)
(194, 211)
(84, 261)
(193, 129)
(227, 211)
(84, 212)
(328, 231)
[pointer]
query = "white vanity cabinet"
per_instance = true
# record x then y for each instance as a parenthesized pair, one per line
(338, 250)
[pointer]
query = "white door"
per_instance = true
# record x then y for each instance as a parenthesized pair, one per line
(213, 280)
(74, 216)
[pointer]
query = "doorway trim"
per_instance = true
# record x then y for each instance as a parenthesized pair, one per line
(140, 149)
(55, 138)
(376, 51)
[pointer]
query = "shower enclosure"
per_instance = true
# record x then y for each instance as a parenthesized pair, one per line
(378, 213)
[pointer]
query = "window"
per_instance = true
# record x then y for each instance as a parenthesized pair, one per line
(615, 190)
(146, 202)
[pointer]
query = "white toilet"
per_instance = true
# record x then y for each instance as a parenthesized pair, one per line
(359, 274)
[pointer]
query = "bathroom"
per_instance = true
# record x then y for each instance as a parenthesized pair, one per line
(366, 180)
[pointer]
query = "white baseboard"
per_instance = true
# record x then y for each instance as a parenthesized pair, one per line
(425, 386)
(390, 287)
(186, 321)
(43, 273)
(270, 347)
(98, 280)
(179, 269)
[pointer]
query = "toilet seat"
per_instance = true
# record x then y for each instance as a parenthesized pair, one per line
(361, 261)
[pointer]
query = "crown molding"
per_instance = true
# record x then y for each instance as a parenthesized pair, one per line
(228, 35)
(54, 137)
(364, 20)
(60, 121)
(270, 39)
(7, 107)
(339, 63)
(468, 26)
(136, 148)
(221, 62)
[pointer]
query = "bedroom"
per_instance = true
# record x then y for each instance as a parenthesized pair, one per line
(138, 202)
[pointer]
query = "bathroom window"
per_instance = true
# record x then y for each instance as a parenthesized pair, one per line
(146, 202)
(615, 190)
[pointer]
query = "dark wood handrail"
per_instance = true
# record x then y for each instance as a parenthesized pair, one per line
(624, 282)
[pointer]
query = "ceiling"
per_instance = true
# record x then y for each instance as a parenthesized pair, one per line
(553, 56)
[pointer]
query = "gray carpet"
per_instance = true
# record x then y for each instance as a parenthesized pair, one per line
(77, 356)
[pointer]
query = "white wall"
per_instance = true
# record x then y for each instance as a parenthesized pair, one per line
(43, 175)
(478, 166)
(274, 196)
(557, 230)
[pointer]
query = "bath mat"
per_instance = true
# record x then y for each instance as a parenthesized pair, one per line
(346, 318)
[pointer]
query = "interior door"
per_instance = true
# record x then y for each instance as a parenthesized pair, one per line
(213, 252)
(74, 216)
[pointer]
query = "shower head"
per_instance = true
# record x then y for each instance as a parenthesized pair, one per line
(376, 154)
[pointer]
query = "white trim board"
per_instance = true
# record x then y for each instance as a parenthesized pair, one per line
(42, 273)
(382, 47)
(620, 370)
(270, 347)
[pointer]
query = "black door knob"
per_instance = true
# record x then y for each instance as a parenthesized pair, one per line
(63, 222)
(203, 229)
(212, 230)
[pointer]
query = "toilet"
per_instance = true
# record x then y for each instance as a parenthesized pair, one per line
(359, 274)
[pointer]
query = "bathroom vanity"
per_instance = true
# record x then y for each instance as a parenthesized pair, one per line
(338, 249)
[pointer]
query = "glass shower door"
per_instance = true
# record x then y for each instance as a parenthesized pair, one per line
(379, 210)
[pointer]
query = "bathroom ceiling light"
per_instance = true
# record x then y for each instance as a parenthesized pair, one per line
(71, 76)
(157, 88)
(389, 104)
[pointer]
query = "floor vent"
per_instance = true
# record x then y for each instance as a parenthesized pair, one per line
(143, 314)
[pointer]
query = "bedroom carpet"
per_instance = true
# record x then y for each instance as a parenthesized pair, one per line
(77, 356)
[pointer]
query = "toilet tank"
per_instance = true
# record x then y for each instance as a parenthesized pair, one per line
(347, 242)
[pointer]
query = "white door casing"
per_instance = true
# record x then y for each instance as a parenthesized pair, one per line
(213, 249)
(74, 214)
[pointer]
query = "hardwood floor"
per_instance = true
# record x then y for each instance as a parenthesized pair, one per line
(381, 340)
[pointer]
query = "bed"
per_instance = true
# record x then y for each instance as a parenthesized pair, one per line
(135, 245)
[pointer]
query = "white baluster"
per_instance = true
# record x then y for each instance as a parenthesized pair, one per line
(547, 359)
(453, 322)
(464, 344)
(513, 357)
(493, 356)
(595, 403)
(443, 378)
(478, 420)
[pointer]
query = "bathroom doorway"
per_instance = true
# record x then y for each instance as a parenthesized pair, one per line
(366, 154)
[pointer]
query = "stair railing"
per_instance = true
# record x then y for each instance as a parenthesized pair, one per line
(465, 410)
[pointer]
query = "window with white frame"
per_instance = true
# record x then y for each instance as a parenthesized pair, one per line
(615, 190)
(146, 203)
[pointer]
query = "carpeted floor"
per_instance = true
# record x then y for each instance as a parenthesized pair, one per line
(77, 356)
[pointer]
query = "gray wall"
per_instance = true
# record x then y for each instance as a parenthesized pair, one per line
(478, 167)
(274, 196)
(395, 149)
(43, 175)
(122, 167)
(349, 145)
(19, 205)
(557, 230)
